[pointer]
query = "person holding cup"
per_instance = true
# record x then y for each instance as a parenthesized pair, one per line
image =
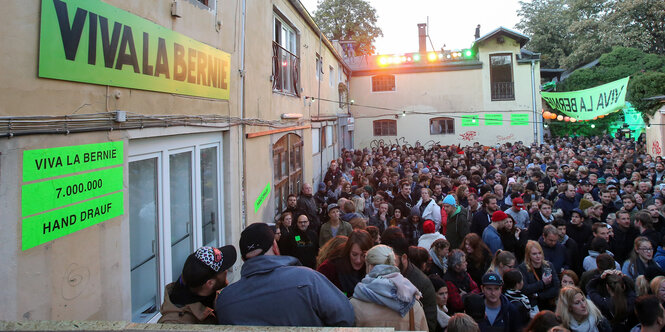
(541, 285)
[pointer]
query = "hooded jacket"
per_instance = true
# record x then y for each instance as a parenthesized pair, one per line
(298, 296)
(192, 313)
(431, 212)
(458, 227)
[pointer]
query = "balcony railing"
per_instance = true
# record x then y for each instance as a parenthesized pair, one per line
(285, 70)
(503, 91)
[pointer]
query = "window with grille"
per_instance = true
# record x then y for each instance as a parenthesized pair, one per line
(287, 159)
(501, 77)
(286, 63)
(385, 128)
(440, 126)
(383, 83)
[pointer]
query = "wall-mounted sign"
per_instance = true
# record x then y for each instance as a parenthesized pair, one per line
(55, 207)
(494, 119)
(93, 42)
(51, 225)
(262, 197)
(46, 163)
(589, 103)
(519, 119)
(470, 120)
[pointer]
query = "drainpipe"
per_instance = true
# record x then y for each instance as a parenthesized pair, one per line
(538, 138)
(318, 106)
(243, 182)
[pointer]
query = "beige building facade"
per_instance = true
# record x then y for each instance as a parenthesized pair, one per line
(487, 96)
(137, 131)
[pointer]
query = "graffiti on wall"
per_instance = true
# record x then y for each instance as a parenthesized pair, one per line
(401, 141)
(505, 138)
(468, 136)
(655, 148)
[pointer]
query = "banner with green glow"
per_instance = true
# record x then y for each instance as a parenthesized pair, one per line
(589, 103)
(93, 42)
(519, 119)
(470, 120)
(494, 119)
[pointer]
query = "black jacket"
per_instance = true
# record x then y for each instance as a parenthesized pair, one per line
(480, 220)
(540, 294)
(508, 319)
(623, 242)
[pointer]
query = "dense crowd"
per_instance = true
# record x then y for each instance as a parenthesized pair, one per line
(567, 235)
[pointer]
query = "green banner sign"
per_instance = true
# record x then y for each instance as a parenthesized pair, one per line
(46, 163)
(262, 197)
(519, 119)
(93, 42)
(470, 120)
(493, 119)
(589, 103)
(55, 224)
(46, 195)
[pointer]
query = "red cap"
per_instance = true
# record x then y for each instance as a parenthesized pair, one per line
(499, 215)
(428, 227)
(519, 202)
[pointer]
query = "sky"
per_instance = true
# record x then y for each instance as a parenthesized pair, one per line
(452, 23)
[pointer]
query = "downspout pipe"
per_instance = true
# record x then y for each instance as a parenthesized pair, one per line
(536, 121)
(242, 140)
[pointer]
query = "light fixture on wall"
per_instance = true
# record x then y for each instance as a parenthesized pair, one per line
(403, 113)
(291, 116)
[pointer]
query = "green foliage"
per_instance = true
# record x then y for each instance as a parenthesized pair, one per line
(547, 21)
(349, 20)
(645, 85)
(570, 33)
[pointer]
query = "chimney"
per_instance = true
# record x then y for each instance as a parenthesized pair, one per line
(422, 38)
(477, 35)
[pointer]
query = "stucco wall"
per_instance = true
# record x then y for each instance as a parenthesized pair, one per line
(656, 134)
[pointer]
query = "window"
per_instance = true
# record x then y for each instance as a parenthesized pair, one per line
(438, 126)
(319, 67)
(287, 158)
(175, 195)
(383, 83)
(286, 64)
(385, 127)
(340, 75)
(342, 95)
(323, 138)
(329, 135)
(204, 2)
(501, 77)
(316, 140)
(331, 79)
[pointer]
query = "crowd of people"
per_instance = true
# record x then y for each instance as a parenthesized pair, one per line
(564, 236)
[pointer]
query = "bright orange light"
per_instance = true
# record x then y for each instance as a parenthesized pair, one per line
(383, 60)
(573, 120)
(284, 63)
(408, 59)
(440, 56)
(403, 59)
(431, 56)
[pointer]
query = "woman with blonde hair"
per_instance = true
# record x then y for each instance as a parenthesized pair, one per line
(384, 298)
(579, 314)
(541, 283)
(462, 323)
(658, 288)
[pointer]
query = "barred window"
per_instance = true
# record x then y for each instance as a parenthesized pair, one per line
(385, 128)
(440, 126)
(383, 83)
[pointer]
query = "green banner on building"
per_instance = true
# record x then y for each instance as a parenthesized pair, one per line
(46, 163)
(493, 119)
(93, 42)
(58, 223)
(589, 103)
(519, 119)
(470, 120)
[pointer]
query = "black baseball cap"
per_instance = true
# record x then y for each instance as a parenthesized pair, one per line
(256, 236)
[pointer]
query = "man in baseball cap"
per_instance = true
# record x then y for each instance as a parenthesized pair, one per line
(500, 314)
(298, 296)
(191, 298)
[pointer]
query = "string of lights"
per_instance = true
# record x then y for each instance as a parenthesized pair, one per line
(403, 113)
